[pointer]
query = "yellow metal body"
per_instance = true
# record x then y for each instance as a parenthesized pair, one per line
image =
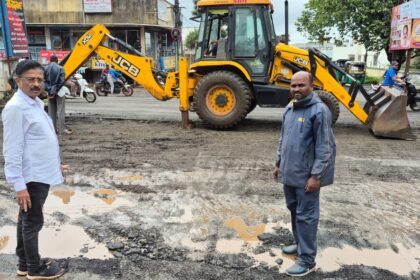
(139, 68)
(323, 78)
(182, 84)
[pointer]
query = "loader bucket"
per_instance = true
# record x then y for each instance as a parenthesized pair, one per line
(389, 117)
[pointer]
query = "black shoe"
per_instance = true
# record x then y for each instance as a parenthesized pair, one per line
(46, 272)
(23, 268)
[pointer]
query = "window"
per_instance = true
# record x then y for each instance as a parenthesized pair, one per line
(36, 36)
(244, 33)
(375, 59)
(150, 44)
(60, 39)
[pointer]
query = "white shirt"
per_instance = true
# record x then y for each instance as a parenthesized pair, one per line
(30, 145)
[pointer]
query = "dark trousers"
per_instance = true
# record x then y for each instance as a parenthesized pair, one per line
(304, 210)
(28, 226)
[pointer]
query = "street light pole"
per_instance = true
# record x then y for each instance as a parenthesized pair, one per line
(286, 20)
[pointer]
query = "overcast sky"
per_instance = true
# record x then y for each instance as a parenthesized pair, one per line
(295, 9)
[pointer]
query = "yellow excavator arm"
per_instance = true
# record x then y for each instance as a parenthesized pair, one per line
(137, 67)
(384, 111)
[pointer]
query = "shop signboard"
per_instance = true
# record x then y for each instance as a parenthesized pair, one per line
(415, 34)
(45, 55)
(98, 64)
(15, 30)
(405, 30)
(97, 6)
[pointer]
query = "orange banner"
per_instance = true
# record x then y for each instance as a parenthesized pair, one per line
(415, 34)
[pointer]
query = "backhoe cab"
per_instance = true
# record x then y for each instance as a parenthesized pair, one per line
(238, 65)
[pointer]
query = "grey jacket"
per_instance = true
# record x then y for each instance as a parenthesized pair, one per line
(306, 146)
(54, 78)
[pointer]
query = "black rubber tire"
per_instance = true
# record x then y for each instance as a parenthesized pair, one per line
(89, 96)
(127, 91)
(414, 108)
(100, 91)
(253, 105)
(235, 84)
(331, 102)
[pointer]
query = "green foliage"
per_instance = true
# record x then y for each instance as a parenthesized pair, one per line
(372, 80)
(191, 39)
(367, 22)
(415, 63)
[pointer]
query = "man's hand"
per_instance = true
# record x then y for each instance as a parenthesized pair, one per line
(24, 200)
(64, 168)
(312, 185)
(276, 173)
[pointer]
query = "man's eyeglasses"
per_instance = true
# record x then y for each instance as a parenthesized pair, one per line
(32, 80)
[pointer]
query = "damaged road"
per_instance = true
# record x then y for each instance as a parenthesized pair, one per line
(147, 200)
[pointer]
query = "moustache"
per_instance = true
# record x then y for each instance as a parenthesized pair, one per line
(35, 88)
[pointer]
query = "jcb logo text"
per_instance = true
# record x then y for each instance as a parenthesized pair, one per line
(300, 60)
(126, 65)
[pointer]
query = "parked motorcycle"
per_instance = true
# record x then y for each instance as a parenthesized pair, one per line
(103, 88)
(412, 97)
(82, 89)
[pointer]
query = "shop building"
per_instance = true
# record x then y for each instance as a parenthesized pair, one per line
(55, 26)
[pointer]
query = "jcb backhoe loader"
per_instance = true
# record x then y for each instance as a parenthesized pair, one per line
(239, 65)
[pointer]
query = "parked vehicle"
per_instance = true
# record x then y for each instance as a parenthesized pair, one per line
(412, 97)
(250, 68)
(103, 88)
(357, 70)
(340, 63)
(83, 90)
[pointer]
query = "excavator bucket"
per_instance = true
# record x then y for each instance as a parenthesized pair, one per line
(388, 118)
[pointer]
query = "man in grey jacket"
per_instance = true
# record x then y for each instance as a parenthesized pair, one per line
(54, 79)
(305, 162)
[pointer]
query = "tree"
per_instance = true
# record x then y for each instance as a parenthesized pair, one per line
(191, 39)
(367, 22)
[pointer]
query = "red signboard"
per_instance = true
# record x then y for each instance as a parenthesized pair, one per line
(44, 55)
(17, 29)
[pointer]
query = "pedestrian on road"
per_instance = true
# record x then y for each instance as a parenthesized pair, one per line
(54, 80)
(305, 162)
(32, 164)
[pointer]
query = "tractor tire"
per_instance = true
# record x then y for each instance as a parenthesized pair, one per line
(253, 105)
(331, 102)
(222, 99)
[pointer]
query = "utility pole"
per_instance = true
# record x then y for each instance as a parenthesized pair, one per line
(178, 37)
(286, 21)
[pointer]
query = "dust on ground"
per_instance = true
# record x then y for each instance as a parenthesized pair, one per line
(148, 200)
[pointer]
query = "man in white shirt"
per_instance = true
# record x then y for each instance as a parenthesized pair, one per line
(32, 164)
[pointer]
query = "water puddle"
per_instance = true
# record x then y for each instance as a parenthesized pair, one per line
(3, 241)
(245, 232)
(329, 259)
(106, 195)
(60, 242)
(64, 194)
(402, 263)
(76, 203)
(130, 178)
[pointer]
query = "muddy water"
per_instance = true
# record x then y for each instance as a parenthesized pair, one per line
(75, 202)
(245, 232)
(67, 240)
(60, 242)
(328, 259)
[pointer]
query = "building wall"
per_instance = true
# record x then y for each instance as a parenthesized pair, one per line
(357, 53)
(71, 12)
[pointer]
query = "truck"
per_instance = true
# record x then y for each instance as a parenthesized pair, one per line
(238, 65)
